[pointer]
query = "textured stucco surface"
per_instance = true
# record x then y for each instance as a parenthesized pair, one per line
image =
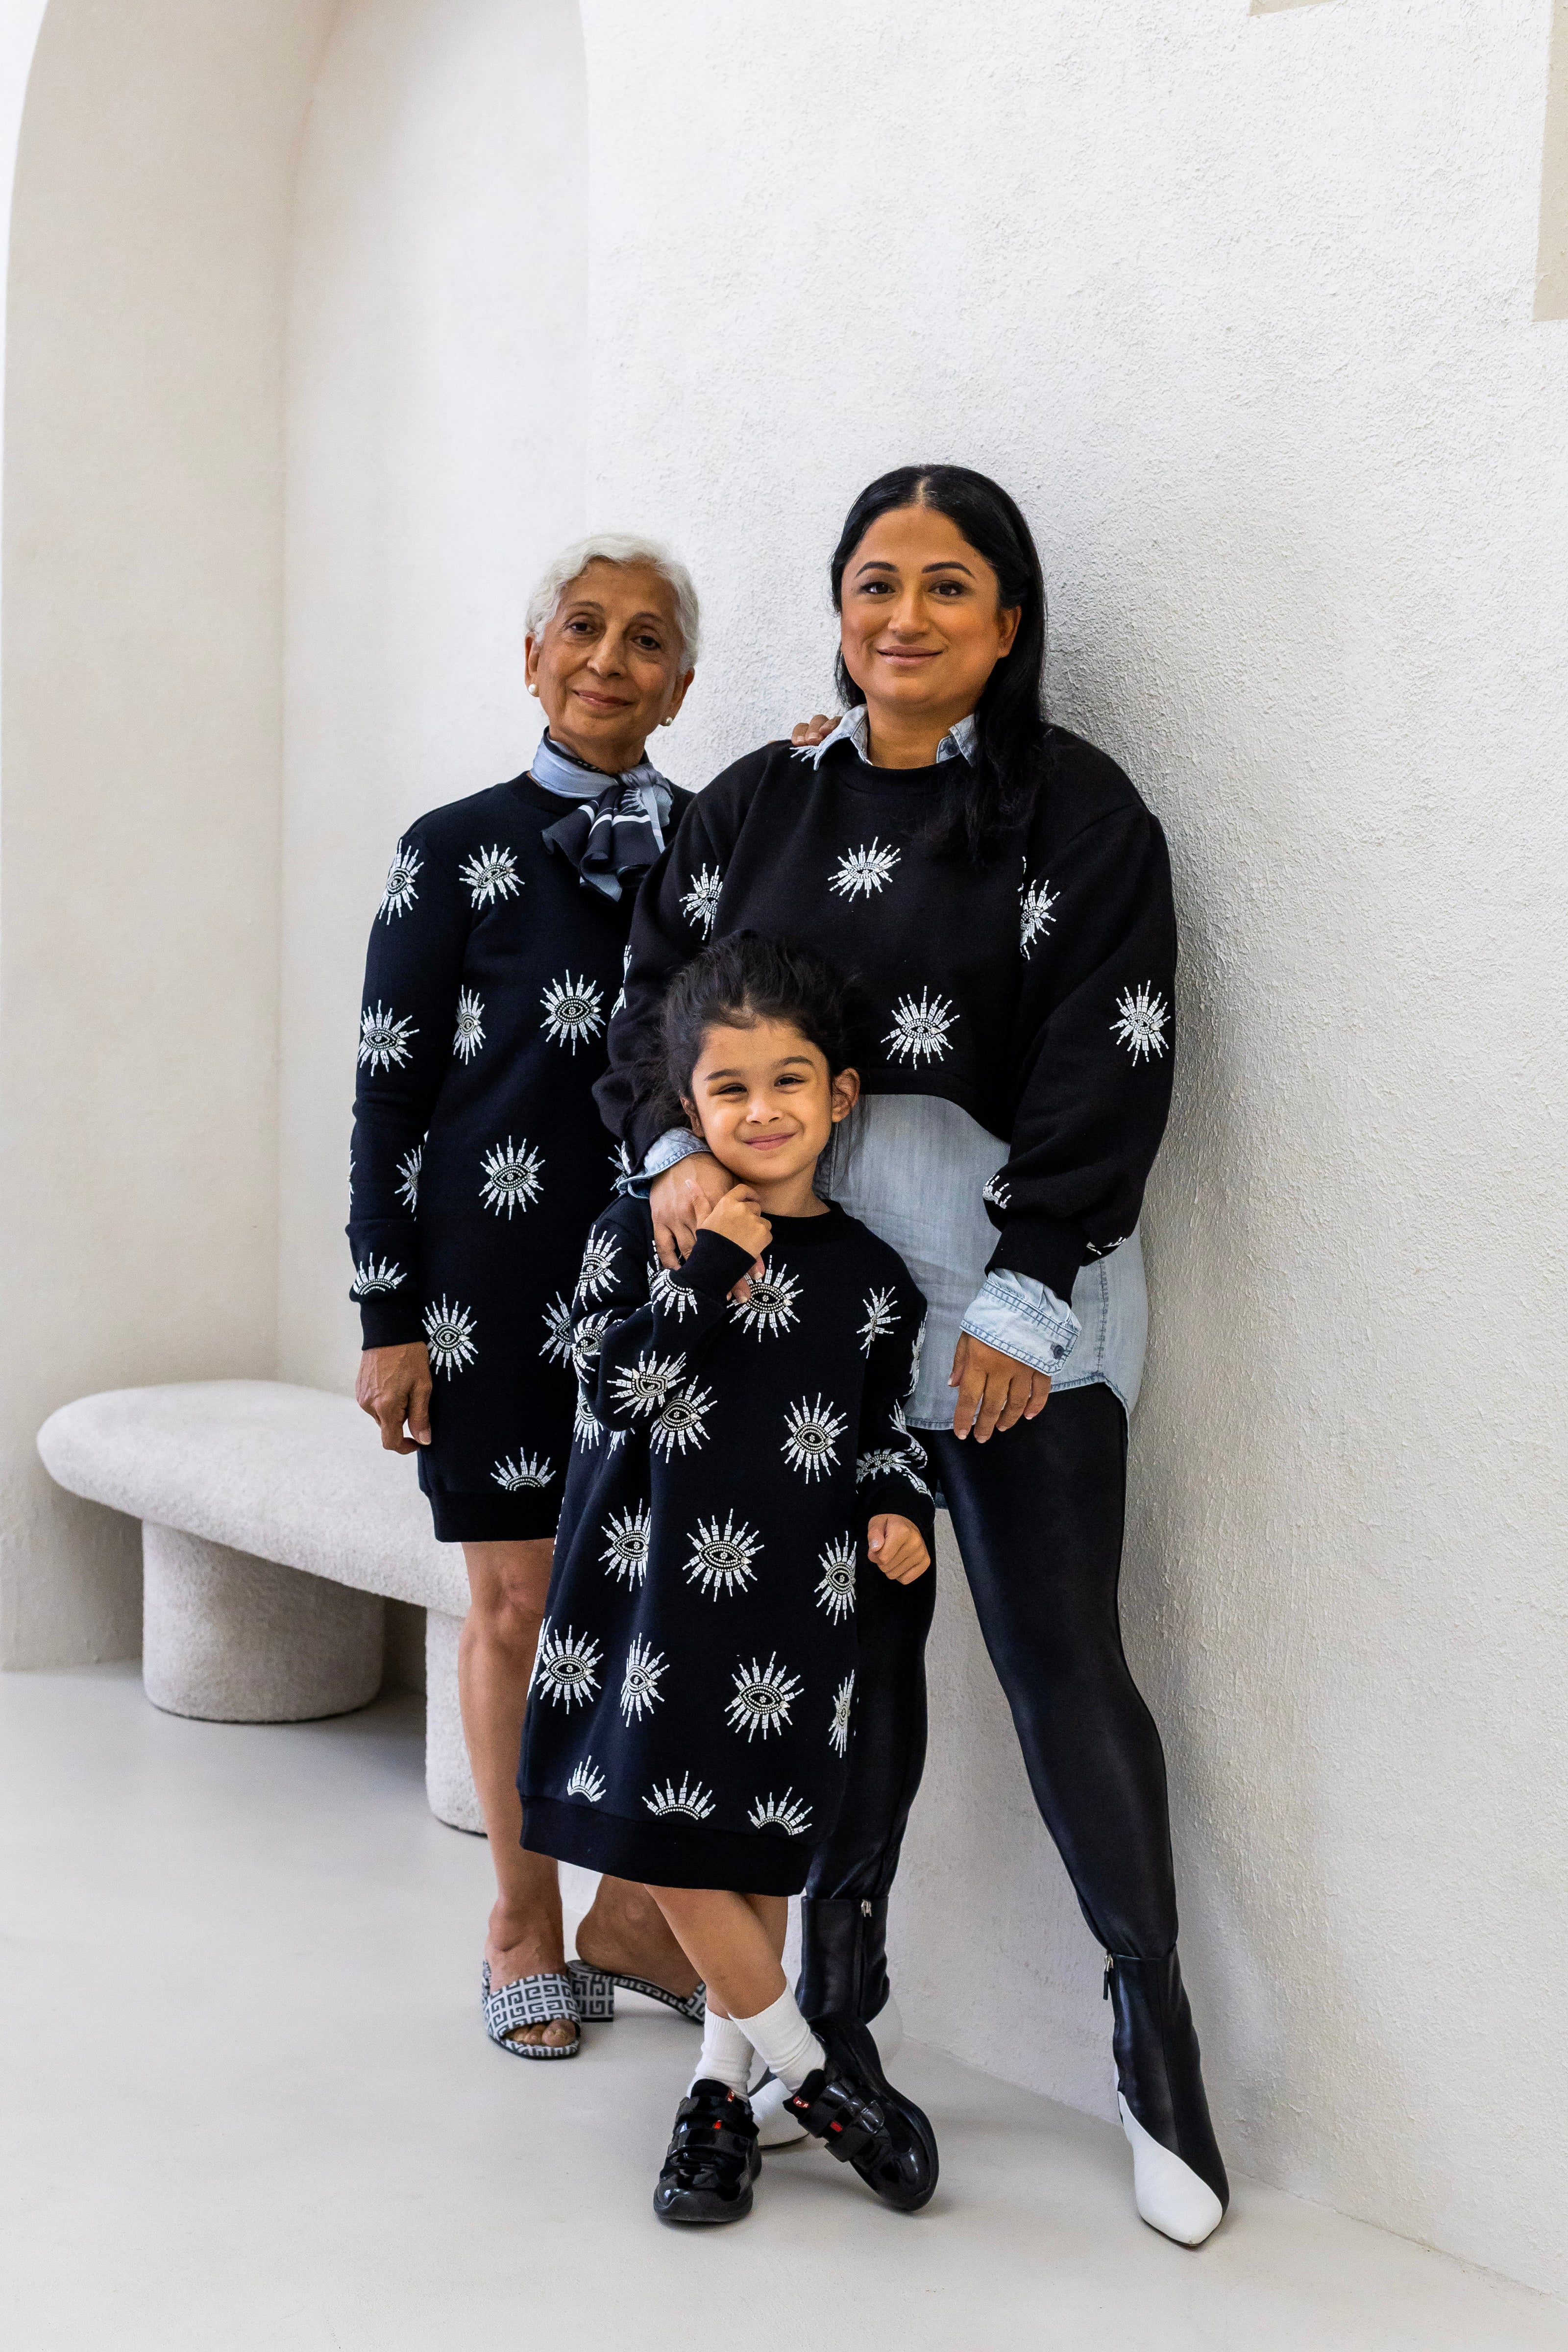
(1241, 307)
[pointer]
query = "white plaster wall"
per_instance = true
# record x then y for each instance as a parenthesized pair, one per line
(435, 403)
(142, 570)
(1240, 307)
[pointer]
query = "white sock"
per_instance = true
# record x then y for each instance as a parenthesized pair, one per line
(726, 2054)
(782, 2036)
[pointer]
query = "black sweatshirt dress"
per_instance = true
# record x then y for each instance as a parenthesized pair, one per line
(479, 1160)
(690, 1716)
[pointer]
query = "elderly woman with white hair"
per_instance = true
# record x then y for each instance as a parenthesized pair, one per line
(479, 1163)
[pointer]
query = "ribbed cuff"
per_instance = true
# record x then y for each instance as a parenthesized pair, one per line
(1047, 1249)
(390, 1322)
(716, 1264)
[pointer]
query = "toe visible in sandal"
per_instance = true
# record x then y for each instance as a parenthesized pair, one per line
(549, 1998)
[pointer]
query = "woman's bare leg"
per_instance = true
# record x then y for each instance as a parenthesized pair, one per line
(508, 1585)
(735, 1942)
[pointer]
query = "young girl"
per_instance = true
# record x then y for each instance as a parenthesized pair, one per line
(742, 1456)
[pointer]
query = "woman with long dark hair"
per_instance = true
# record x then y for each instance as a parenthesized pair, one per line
(1002, 896)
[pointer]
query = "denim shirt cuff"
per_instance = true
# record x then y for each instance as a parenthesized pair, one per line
(1025, 1320)
(675, 1143)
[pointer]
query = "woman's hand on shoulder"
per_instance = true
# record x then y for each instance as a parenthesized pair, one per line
(812, 732)
(896, 1547)
(697, 1178)
(737, 1217)
(994, 1391)
(394, 1388)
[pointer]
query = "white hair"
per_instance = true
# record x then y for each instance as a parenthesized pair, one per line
(618, 547)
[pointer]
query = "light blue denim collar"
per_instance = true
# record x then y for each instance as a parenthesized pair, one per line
(855, 727)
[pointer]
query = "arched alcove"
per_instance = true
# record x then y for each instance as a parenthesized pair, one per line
(158, 562)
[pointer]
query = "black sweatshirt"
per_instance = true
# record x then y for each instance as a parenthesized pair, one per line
(1034, 990)
(479, 1160)
(690, 1721)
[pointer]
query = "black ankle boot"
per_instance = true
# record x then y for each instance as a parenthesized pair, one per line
(1158, 2071)
(843, 1957)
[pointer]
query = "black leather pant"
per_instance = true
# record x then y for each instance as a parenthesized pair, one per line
(1038, 1516)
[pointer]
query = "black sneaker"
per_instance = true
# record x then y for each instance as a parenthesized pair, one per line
(851, 2105)
(713, 2159)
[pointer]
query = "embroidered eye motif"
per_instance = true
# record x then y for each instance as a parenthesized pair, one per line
(691, 1799)
(528, 1470)
(409, 1169)
(645, 1670)
(560, 1331)
(572, 1011)
(786, 1812)
(681, 1421)
(491, 874)
(700, 903)
(376, 1277)
(587, 1780)
(469, 1033)
(919, 1033)
(400, 893)
(835, 1588)
(384, 1038)
(763, 1697)
(862, 872)
(567, 1670)
(839, 1729)
(722, 1556)
(597, 1274)
(771, 1307)
(450, 1337)
(511, 1177)
(627, 1538)
(881, 1317)
(643, 1387)
(1145, 1016)
(1036, 901)
(813, 1431)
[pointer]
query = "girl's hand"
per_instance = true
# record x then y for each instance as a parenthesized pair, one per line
(811, 732)
(670, 1198)
(738, 1216)
(993, 1391)
(394, 1387)
(896, 1547)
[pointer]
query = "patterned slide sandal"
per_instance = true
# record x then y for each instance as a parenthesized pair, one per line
(595, 1991)
(549, 2000)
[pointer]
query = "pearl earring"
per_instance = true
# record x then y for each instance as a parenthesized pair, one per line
(534, 691)
(667, 722)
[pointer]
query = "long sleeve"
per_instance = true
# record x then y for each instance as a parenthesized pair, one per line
(639, 1344)
(1093, 1049)
(410, 1017)
(890, 1461)
(677, 908)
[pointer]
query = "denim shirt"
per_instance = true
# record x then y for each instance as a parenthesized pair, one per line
(913, 1167)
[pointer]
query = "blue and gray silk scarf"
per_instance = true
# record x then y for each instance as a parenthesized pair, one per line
(616, 829)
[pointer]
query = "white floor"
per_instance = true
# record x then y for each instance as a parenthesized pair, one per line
(247, 2103)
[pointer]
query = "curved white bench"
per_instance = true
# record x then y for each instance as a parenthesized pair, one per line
(273, 1526)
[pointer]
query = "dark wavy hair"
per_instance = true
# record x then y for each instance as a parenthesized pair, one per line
(737, 982)
(984, 802)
